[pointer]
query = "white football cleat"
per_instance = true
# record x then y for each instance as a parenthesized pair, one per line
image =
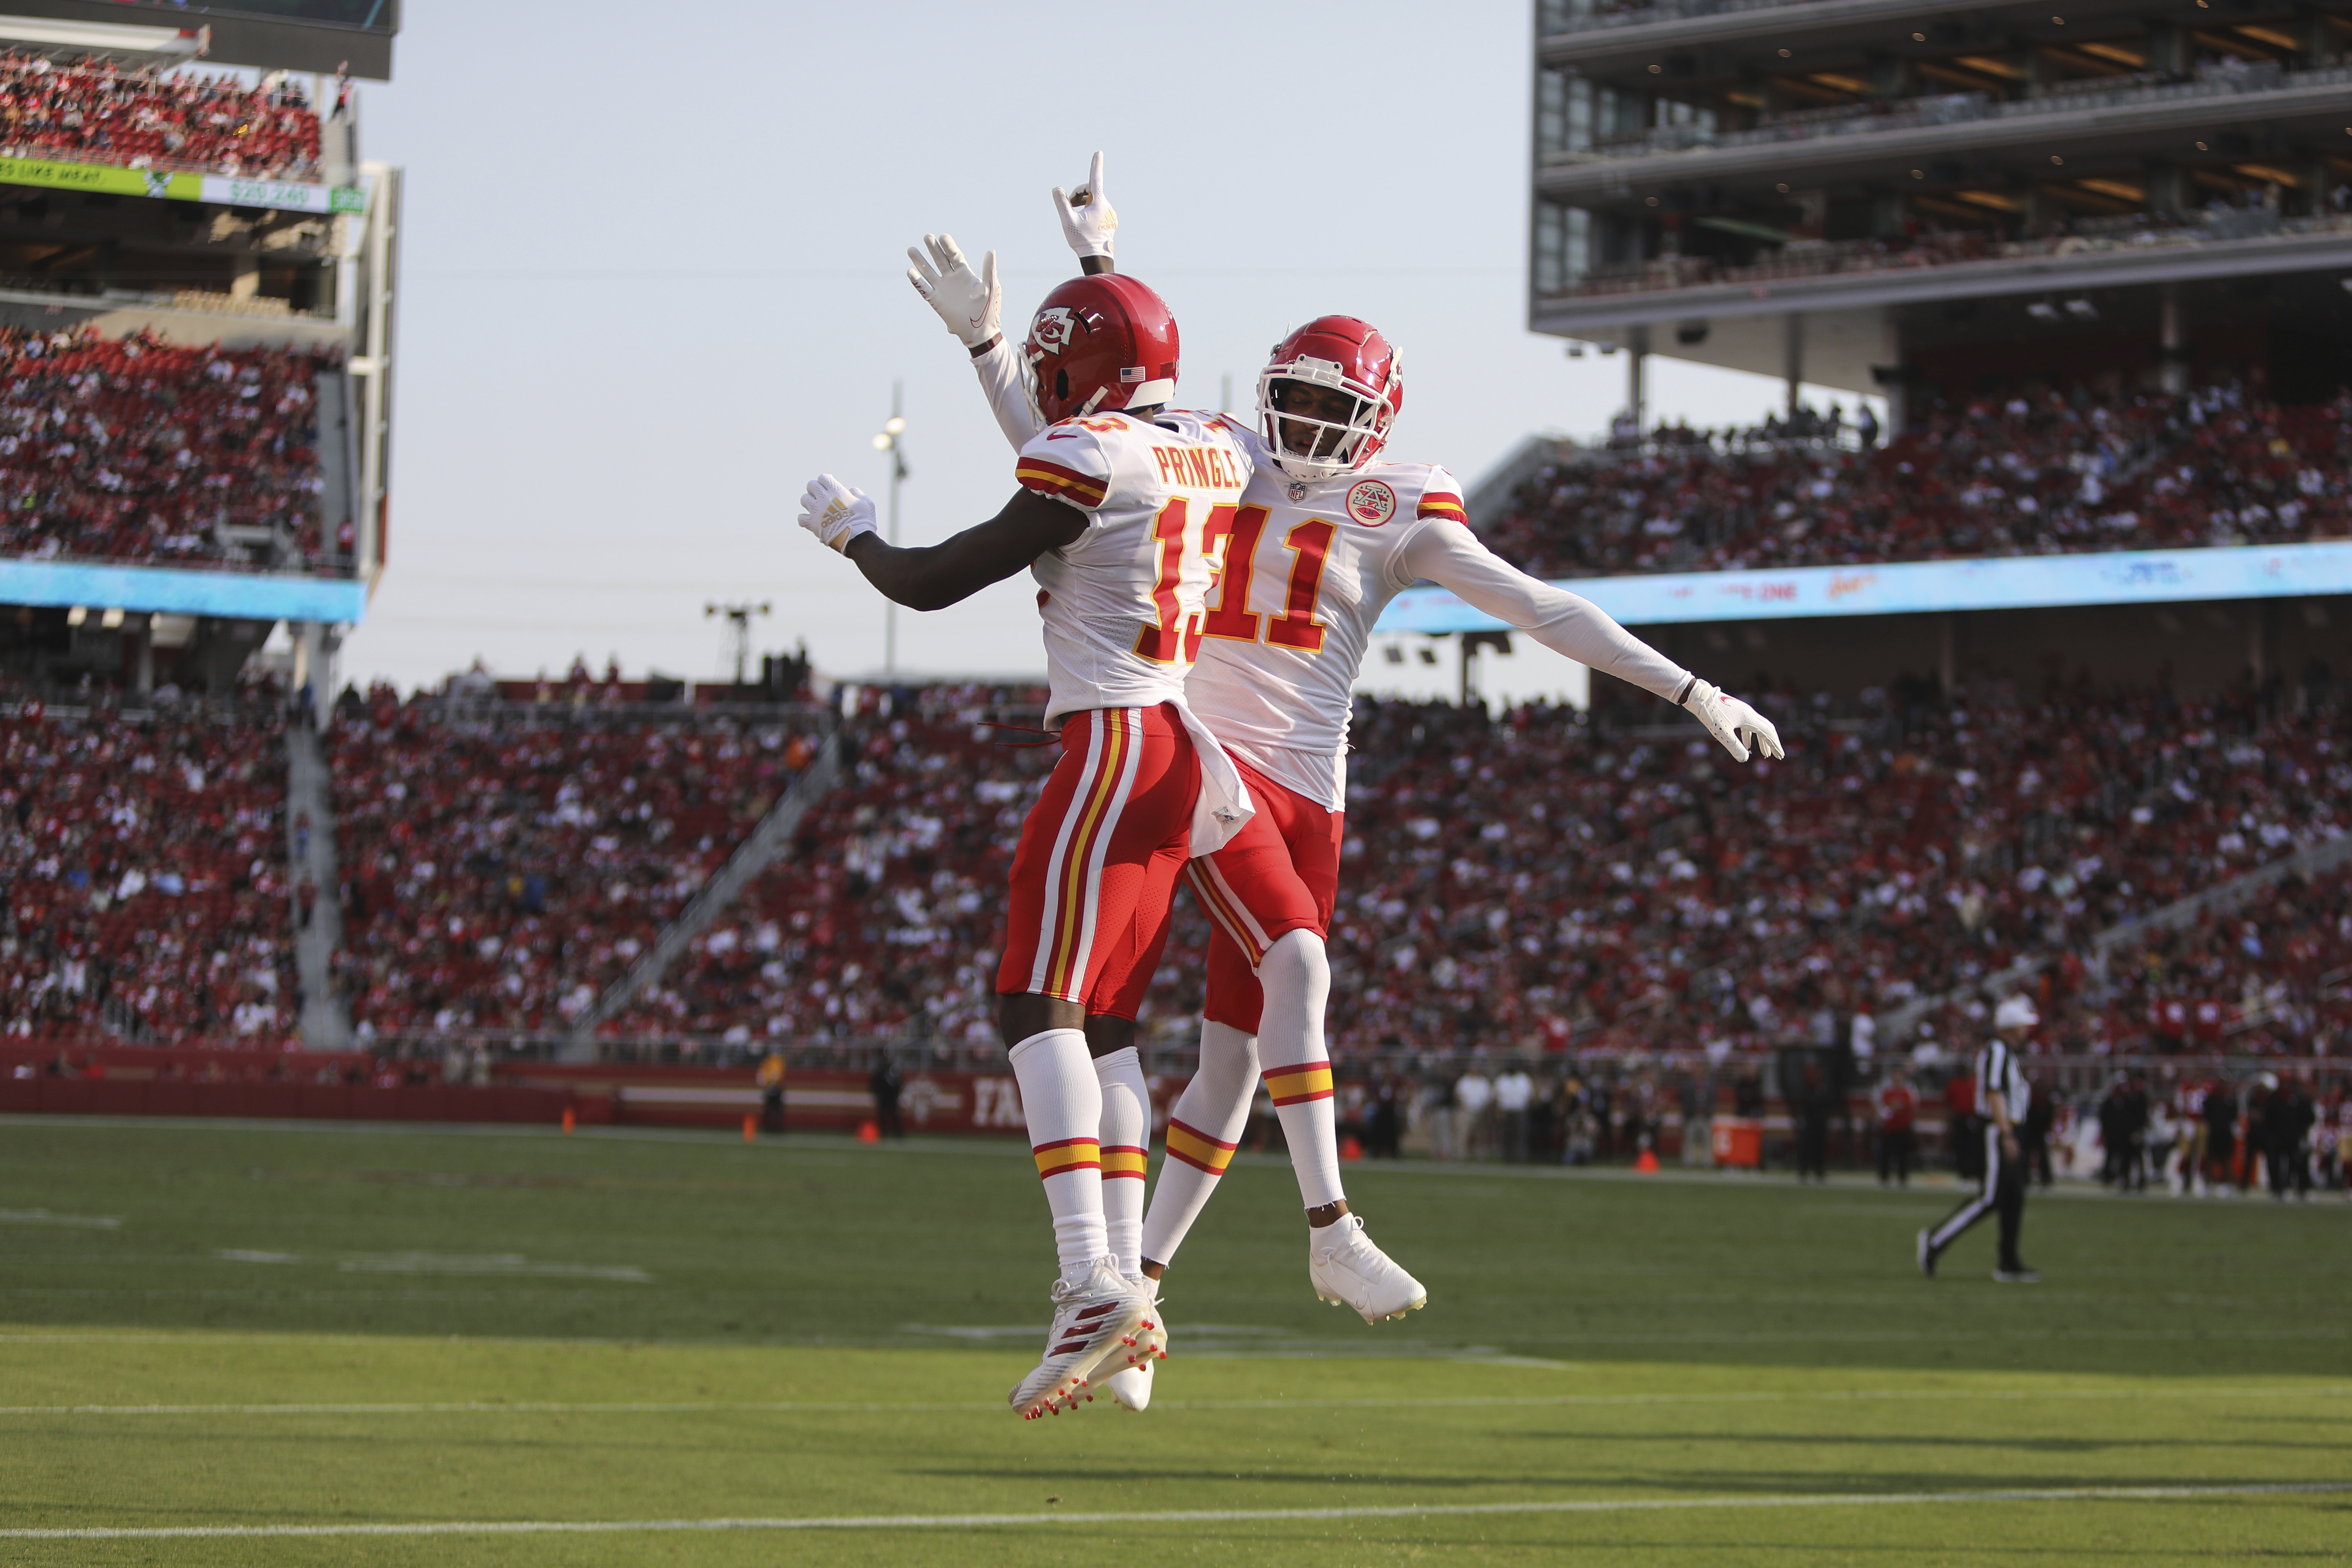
(1348, 1270)
(1102, 1317)
(1130, 1386)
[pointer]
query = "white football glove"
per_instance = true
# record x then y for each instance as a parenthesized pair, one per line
(969, 302)
(1088, 220)
(836, 513)
(1733, 722)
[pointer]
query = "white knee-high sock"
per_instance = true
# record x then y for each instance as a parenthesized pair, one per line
(1203, 1129)
(1296, 978)
(1063, 1104)
(1126, 1133)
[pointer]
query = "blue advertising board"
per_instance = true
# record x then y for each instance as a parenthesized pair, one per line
(2019, 582)
(254, 596)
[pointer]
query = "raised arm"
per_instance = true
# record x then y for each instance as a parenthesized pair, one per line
(933, 576)
(971, 303)
(1449, 555)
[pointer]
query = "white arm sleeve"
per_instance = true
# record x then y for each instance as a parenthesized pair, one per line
(1450, 555)
(1000, 379)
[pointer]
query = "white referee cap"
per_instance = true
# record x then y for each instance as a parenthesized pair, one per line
(2015, 1012)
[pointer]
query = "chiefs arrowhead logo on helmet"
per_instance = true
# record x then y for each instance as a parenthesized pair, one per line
(1055, 326)
(1098, 342)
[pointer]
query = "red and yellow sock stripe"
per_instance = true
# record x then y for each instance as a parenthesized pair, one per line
(1068, 1155)
(1293, 1085)
(1124, 1160)
(1197, 1149)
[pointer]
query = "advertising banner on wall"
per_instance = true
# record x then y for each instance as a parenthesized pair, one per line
(244, 595)
(2025, 583)
(112, 180)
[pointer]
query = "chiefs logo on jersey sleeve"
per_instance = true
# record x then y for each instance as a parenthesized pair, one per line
(1371, 502)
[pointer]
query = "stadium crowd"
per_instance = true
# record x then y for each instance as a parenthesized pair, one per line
(886, 920)
(142, 858)
(95, 111)
(136, 450)
(503, 862)
(2037, 473)
(1515, 886)
(1547, 878)
(1545, 875)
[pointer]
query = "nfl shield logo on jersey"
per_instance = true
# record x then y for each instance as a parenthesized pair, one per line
(1371, 503)
(1296, 491)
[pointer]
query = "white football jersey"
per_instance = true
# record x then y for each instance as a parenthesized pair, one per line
(1301, 572)
(1304, 572)
(1122, 602)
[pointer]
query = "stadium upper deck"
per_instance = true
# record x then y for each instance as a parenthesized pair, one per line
(1889, 195)
(195, 327)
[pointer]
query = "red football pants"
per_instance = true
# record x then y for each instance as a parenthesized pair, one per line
(1095, 875)
(1280, 872)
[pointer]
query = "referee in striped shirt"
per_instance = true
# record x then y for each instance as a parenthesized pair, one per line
(2001, 1098)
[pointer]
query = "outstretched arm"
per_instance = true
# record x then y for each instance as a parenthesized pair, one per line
(936, 575)
(1451, 556)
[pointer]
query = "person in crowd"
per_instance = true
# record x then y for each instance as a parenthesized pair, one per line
(1473, 1103)
(770, 1081)
(1966, 1127)
(1513, 1095)
(1809, 1104)
(1384, 1118)
(1439, 1114)
(885, 1084)
(1694, 1091)
(1896, 1104)
(2224, 1172)
(2288, 1121)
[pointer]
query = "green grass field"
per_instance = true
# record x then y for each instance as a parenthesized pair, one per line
(273, 1329)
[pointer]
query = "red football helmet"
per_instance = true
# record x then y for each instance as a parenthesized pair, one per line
(1101, 342)
(1345, 355)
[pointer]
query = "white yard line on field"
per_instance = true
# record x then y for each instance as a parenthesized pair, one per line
(1528, 1402)
(1173, 1516)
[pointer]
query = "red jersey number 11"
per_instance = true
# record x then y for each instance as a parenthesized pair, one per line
(1230, 616)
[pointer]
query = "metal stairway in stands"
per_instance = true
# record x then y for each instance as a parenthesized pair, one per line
(766, 845)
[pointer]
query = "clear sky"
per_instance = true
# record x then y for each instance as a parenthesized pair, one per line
(653, 267)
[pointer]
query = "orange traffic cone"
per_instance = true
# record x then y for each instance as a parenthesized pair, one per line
(751, 1129)
(867, 1133)
(1647, 1162)
(571, 1120)
(1350, 1149)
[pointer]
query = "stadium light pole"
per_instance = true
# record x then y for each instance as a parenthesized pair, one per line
(888, 439)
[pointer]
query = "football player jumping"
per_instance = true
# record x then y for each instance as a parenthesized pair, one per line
(1116, 493)
(1326, 535)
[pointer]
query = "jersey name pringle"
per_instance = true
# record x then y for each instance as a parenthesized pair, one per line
(1121, 603)
(1305, 568)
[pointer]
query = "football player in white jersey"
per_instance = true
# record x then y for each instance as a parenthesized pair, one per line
(1116, 493)
(1326, 536)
